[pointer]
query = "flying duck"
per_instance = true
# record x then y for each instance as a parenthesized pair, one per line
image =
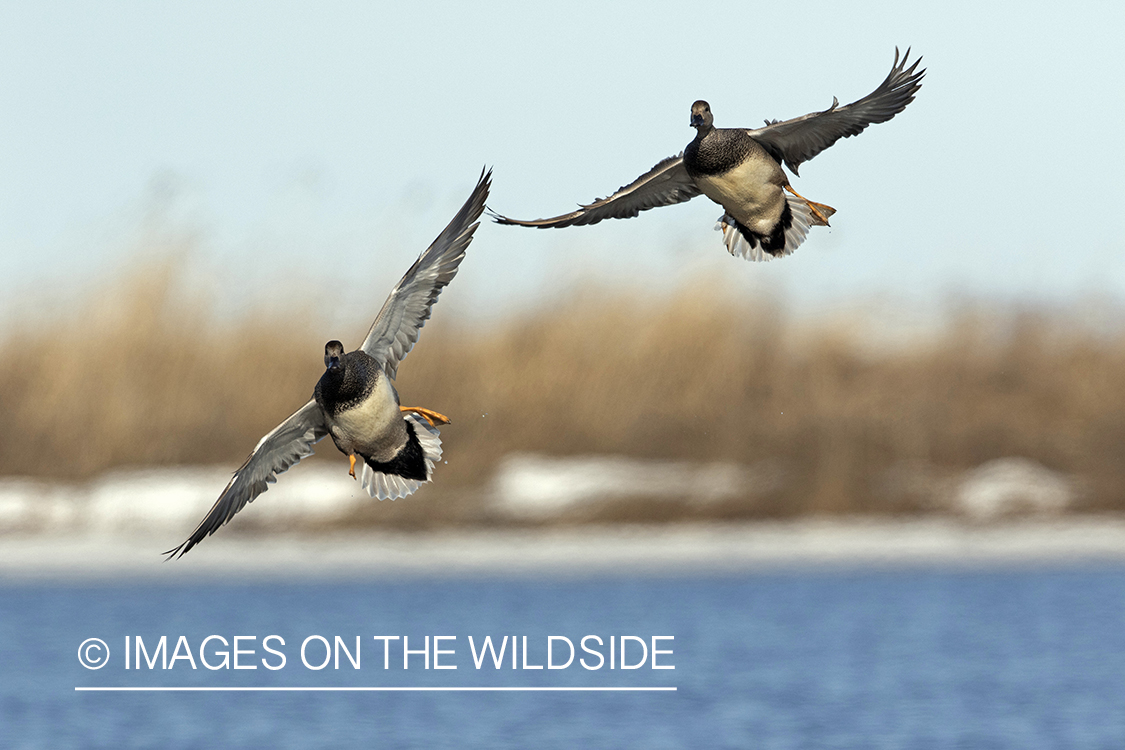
(355, 401)
(741, 170)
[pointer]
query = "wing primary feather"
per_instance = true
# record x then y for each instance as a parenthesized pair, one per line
(283, 447)
(396, 327)
(666, 184)
(800, 139)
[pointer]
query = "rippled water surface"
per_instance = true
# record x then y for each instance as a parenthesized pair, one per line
(815, 658)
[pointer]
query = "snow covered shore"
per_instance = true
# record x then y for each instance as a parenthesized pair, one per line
(526, 487)
(587, 550)
(118, 525)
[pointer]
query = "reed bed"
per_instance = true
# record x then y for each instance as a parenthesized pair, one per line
(143, 373)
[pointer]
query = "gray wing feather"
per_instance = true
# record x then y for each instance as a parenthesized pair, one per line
(800, 139)
(395, 330)
(665, 184)
(284, 446)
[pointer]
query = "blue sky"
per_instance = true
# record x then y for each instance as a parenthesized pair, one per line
(309, 152)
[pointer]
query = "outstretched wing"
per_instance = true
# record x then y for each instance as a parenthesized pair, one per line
(800, 139)
(395, 330)
(665, 184)
(287, 444)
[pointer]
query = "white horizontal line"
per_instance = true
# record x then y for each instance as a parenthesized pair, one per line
(368, 689)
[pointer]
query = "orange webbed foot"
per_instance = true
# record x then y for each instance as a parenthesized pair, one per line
(432, 417)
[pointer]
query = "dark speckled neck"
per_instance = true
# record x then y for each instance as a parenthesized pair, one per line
(717, 151)
(348, 387)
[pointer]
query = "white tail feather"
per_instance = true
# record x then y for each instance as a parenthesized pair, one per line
(392, 486)
(738, 246)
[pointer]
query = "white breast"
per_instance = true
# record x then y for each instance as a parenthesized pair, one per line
(372, 418)
(751, 193)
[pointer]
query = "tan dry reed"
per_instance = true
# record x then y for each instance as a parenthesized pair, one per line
(143, 374)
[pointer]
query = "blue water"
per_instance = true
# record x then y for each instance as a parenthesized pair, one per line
(810, 659)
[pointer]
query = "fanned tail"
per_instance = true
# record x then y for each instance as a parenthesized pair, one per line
(392, 486)
(742, 243)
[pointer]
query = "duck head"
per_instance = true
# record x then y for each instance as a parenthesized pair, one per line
(334, 356)
(701, 118)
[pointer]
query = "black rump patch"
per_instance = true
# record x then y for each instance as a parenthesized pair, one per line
(774, 244)
(410, 462)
